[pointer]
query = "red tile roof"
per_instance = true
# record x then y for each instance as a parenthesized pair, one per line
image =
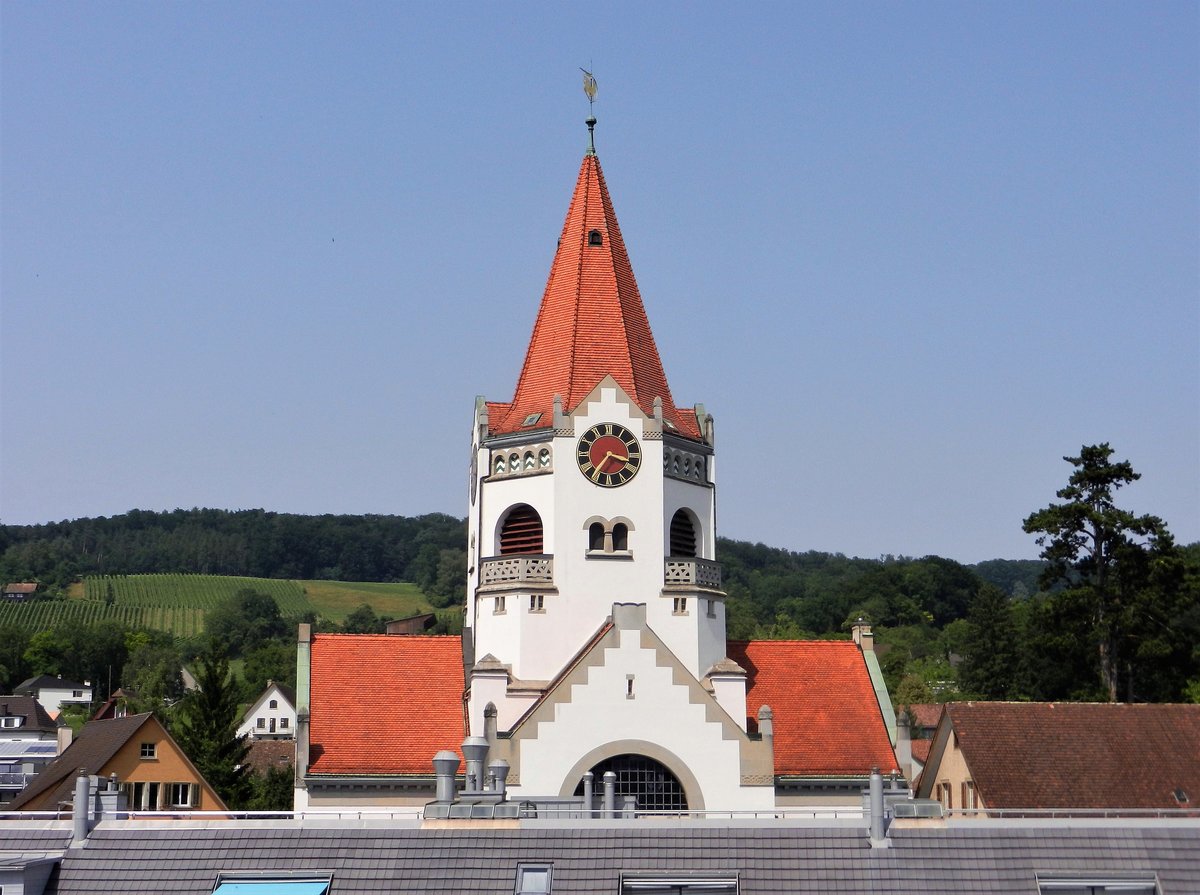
(1079, 755)
(591, 322)
(384, 704)
(827, 718)
(925, 714)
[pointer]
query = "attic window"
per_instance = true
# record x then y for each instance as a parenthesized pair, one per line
(11, 721)
(1108, 884)
(531, 419)
(533, 879)
(1180, 795)
(595, 238)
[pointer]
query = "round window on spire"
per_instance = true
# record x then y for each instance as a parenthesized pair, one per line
(595, 238)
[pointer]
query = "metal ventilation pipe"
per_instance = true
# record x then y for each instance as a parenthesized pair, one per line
(445, 766)
(610, 794)
(475, 751)
(80, 809)
(499, 775)
(588, 803)
(878, 840)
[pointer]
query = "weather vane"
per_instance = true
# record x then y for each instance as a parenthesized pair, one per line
(589, 88)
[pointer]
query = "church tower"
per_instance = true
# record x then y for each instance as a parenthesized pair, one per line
(590, 487)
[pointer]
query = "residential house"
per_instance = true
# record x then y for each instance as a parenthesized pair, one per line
(19, 591)
(116, 706)
(54, 692)
(1061, 755)
(153, 772)
(29, 741)
(272, 715)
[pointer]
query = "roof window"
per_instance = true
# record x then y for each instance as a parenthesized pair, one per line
(533, 879)
(531, 419)
(595, 238)
(648, 884)
(272, 885)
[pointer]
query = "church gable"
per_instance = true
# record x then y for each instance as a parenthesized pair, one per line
(629, 694)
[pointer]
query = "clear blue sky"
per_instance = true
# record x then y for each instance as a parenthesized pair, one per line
(908, 254)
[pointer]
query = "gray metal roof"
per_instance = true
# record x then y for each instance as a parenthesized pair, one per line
(964, 857)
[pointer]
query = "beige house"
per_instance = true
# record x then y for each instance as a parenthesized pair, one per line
(147, 763)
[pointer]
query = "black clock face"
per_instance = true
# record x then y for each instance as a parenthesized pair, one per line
(609, 455)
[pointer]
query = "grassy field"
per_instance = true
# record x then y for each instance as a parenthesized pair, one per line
(337, 599)
(178, 603)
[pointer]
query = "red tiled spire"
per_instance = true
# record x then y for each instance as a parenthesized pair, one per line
(591, 322)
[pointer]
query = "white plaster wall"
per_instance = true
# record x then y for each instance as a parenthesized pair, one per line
(284, 711)
(52, 698)
(660, 712)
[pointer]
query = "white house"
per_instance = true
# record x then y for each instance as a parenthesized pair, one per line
(54, 692)
(272, 716)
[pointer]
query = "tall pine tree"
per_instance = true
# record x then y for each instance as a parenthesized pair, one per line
(206, 728)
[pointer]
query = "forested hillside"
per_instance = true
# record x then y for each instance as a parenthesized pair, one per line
(428, 551)
(1000, 629)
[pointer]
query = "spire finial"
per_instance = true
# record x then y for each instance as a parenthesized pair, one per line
(589, 88)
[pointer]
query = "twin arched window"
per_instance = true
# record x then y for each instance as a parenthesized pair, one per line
(608, 535)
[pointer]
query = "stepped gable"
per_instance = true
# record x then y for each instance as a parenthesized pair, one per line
(384, 704)
(591, 323)
(827, 719)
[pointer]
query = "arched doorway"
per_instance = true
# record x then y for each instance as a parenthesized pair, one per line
(648, 781)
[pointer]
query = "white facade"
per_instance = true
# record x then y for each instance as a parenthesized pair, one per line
(53, 693)
(272, 716)
(530, 616)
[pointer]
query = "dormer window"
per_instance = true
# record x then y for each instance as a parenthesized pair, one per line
(11, 721)
(595, 238)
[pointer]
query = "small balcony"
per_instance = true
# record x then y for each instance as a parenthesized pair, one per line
(517, 570)
(689, 571)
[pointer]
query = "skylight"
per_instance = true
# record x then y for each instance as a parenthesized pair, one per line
(531, 419)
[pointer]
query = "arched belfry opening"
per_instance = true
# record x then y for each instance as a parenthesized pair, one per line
(650, 782)
(683, 534)
(521, 531)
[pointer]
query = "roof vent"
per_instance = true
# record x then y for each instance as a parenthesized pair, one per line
(1180, 796)
(595, 238)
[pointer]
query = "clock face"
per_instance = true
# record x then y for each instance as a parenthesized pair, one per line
(608, 455)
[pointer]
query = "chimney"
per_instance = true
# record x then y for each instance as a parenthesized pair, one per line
(878, 839)
(861, 632)
(588, 797)
(445, 766)
(475, 751)
(610, 794)
(65, 736)
(499, 774)
(81, 808)
(904, 745)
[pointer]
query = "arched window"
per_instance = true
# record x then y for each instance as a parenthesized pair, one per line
(648, 781)
(596, 536)
(595, 238)
(522, 531)
(683, 534)
(620, 534)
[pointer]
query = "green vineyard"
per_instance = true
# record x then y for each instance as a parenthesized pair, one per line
(178, 603)
(180, 621)
(192, 591)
